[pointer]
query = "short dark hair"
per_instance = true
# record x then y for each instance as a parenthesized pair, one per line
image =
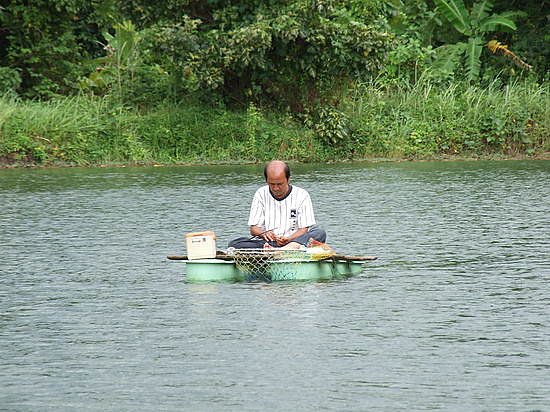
(287, 170)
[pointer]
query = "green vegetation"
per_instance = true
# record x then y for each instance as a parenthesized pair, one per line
(372, 122)
(91, 82)
(474, 24)
(426, 121)
(84, 130)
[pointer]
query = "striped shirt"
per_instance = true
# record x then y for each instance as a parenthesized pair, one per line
(283, 216)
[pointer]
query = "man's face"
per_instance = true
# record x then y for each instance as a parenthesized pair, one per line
(278, 183)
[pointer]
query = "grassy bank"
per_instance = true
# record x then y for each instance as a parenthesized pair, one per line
(92, 131)
(423, 121)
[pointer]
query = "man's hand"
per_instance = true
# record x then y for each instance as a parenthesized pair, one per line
(259, 232)
(281, 240)
(269, 236)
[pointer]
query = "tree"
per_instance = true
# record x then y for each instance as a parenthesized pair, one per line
(292, 52)
(46, 41)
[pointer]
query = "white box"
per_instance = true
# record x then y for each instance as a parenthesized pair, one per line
(201, 245)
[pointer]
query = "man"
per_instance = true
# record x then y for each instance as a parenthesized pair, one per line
(281, 215)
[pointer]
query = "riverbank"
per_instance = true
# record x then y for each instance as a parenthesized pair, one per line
(370, 123)
(443, 158)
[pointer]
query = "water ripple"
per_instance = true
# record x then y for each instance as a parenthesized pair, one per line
(453, 315)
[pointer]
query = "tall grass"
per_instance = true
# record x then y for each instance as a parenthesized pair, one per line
(420, 121)
(88, 131)
(426, 120)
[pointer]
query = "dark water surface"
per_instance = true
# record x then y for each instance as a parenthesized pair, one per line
(455, 314)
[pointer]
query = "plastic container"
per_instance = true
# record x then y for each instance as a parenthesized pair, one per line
(201, 245)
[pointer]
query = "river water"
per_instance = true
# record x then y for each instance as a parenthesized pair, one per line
(454, 315)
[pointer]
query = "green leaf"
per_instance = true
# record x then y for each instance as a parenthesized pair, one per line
(455, 11)
(447, 57)
(473, 53)
(481, 10)
(513, 15)
(491, 23)
(397, 4)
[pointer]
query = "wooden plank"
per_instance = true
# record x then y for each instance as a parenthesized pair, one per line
(177, 257)
(184, 257)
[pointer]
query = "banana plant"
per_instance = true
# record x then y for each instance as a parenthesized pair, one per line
(475, 24)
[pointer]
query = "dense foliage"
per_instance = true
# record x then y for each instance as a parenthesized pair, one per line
(348, 78)
(291, 54)
(44, 44)
(287, 51)
(236, 50)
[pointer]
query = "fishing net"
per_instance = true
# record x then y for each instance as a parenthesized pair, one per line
(265, 263)
(277, 263)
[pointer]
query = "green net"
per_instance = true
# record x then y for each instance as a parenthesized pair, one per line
(269, 263)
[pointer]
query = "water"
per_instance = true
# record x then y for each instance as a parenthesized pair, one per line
(453, 316)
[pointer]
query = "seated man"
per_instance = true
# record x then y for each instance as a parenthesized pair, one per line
(281, 215)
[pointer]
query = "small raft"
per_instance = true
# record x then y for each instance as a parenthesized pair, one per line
(271, 266)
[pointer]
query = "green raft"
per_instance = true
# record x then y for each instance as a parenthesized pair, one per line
(259, 267)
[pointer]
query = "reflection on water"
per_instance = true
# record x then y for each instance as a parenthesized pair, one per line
(454, 314)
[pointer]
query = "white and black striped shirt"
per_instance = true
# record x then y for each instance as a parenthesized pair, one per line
(284, 216)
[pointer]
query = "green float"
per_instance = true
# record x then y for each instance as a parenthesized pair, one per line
(224, 268)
